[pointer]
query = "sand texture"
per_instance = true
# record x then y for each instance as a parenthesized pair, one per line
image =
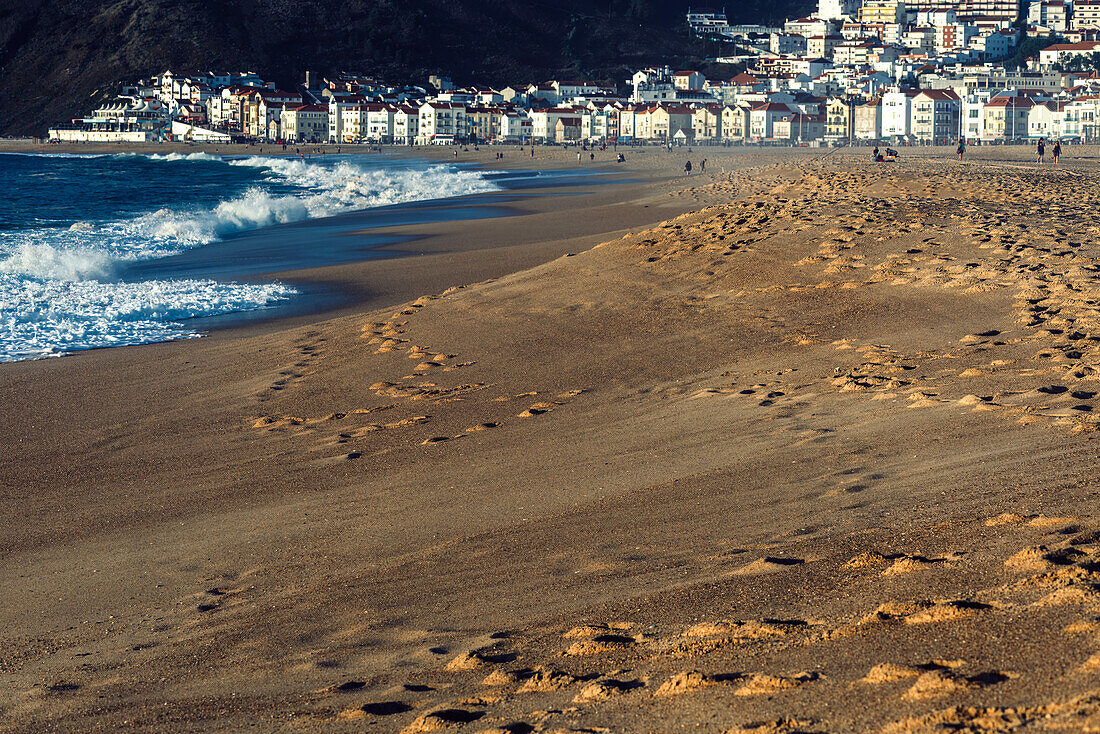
(801, 445)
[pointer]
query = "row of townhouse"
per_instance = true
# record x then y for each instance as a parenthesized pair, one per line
(942, 116)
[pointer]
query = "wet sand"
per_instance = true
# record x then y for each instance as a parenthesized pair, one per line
(804, 444)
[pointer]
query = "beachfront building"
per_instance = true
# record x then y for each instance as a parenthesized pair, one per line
(379, 123)
(136, 121)
(1046, 120)
(799, 128)
(567, 130)
(1006, 118)
(935, 116)
(735, 122)
(973, 115)
(762, 120)
(867, 120)
(839, 119)
(483, 123)
(706, 122)
(258, 108)
(442, 122)
(406, 124)
(601, 123)
(668, 121)
(307, 123)
(897, 113)
(1082, 118)
(544, 122)
(515, 127)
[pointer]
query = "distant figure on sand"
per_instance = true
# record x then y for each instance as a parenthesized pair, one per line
(1056, 151)
(1040, 149)
(703, 166)
(961, 148)
(687, 168)
(874, 154)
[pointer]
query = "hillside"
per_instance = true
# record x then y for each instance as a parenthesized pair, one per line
(57, 57)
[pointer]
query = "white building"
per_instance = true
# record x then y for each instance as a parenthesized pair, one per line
(406, 124)
(935, 116)
(544, 123)
(442, 122)
(1086, 14)
(1052, 14)
(653, 85)
(897, 113)
(973, 114)
(837, 9)
(305, 123)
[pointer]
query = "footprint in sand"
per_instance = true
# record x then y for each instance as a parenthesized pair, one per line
(768, 564)
(442, 719)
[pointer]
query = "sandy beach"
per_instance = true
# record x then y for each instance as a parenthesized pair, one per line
(801, 444)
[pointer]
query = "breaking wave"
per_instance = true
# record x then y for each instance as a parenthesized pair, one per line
(57, 287)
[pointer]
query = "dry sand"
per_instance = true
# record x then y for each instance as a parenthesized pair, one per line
(814, 457)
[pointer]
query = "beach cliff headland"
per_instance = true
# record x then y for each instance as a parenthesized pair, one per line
(804, 443)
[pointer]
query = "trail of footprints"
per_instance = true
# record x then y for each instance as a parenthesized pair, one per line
(547, 680)
(309, 353)
(408, 402)
(989, 237)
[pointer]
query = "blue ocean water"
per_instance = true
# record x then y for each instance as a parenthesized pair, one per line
(72, 226)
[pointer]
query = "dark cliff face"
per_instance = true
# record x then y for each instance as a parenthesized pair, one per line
(59, 57)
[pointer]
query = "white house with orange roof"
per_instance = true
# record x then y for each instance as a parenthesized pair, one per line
(306, 123)
(897, 112)
(442, 122)
(668, 120)
(1060, 53)
(544, 122)
(936, 115)
(515, 127)
(688, 80)
(763, 117)
(406, 124)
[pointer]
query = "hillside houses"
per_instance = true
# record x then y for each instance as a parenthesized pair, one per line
(856, 71)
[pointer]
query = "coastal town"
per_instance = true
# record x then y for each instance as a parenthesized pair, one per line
(855, 72)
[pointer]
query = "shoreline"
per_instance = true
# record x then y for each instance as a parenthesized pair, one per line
(334, 291)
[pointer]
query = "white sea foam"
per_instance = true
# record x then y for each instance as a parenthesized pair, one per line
(45, 262)
(326, 190)
(172, 157)
(48, 318)
(56, 293)
(56, 155)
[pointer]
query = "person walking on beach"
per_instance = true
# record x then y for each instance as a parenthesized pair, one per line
(1056, 151)
(703, 166)
(1040, 149)
(961, 149)
(687, 168)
